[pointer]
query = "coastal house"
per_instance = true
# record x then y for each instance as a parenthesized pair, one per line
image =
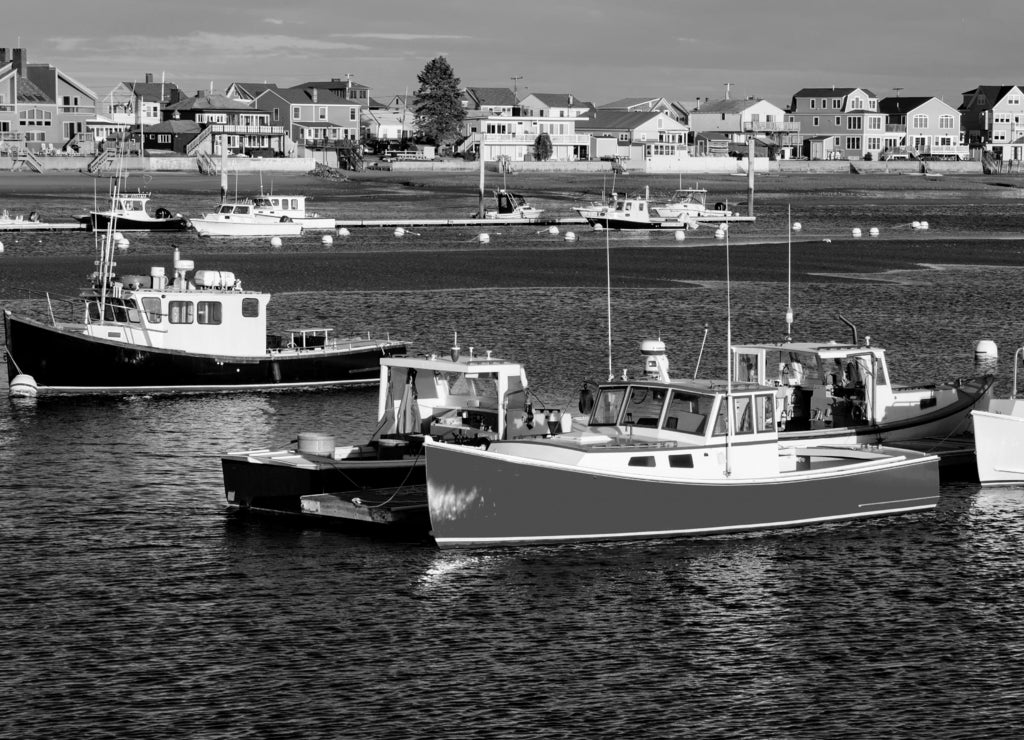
(138, 104)
(42, 109)
(498, 127)
(651, 136)
(849, 115)
(992, 118)
(228, 126)
(313, 118)
(921, 127)
(732, 123)
(171, 136)
(247, 92)
(554, 105)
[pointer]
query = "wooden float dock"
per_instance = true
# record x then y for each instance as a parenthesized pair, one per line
(40, 226)
(542, 222)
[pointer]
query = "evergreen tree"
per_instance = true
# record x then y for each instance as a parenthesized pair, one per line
(542, 147)
(437, 102)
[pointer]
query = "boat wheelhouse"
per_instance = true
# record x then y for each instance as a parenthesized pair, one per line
(294, 208)
(509, 205)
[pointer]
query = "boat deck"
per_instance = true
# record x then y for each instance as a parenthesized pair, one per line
(956, 454)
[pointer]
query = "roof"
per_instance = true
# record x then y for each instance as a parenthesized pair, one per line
(151, 90)
(623, 103)
(726, 105)
(560, 100)
(255, 88)
(29, 92)
(173, 126)
(333, 84)
(617, 119)
(493, 96)
(826, 92)
(900, 106)
(209, 101)
(304, 96)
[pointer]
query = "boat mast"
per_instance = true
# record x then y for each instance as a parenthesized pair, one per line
(608, 293)
(728, 358)
(789, 273)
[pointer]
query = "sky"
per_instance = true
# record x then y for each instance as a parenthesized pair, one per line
(597, 50)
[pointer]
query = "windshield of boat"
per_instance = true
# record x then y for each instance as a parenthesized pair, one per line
(474, 385)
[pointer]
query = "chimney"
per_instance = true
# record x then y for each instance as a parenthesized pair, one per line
(3, 55)
(314, 94)
(149, 77)
(20, 59)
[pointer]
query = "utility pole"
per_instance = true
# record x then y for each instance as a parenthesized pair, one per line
(515, 86)
(727, 86)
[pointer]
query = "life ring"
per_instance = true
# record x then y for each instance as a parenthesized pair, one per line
(163, 213)
(719, 206)
(857, 413)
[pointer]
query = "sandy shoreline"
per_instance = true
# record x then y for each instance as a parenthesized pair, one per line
(552, 185)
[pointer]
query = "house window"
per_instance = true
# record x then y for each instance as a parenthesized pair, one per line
(813, 103)
(856, 103)
(815, 121)
(351, 114)
(181, 312)
(874, 143)
(839, 121)
(853, 142)
(920, 121)
(209, 312)
(854, 123)
(296, 112)
(250, 308)
(277, 114)
(837, 103)
(874, 123)
(321, 113)
(1013, 100)
(946, 121)
(35, 117)
(163, 138)
(824, 103)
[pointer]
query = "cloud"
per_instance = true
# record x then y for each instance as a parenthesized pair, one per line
(401, 36)
(204, 45)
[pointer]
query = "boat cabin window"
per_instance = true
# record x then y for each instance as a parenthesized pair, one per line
(751, 414)
(473, 385)
(151, 306)
(226, 208)
(680, 461)
(209, 312)
(118, 310)
(645, 461)
(687, 412)
(181, 312)
(743, 414)
(643, 406)
(746, 368)
(606, 408)
(250, 308)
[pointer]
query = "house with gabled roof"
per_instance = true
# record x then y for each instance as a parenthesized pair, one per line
(554, 105)
(497, 126)
(42, 109)
(491, 101)
(921, 127)
(246, 92)
(737, 121)
(173, 135)
(342, 88)
(849, 115)
(138, 104)
(992, 117)
(651, 136)
(228, 126)
(312, 117)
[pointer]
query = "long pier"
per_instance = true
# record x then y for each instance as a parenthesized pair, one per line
(40, 226)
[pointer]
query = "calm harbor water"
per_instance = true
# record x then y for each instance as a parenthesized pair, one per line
(133, 603)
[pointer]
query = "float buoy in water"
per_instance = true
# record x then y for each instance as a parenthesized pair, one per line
(23, 386)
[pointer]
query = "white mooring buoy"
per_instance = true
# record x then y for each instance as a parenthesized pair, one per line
(680, 235)
(342, 231)
(23, 386)
(327, 240)
(484, 238)
(399, 231)
(570, 236)
(275, 241)
(874, 231)
(553, 230)
(797, 226)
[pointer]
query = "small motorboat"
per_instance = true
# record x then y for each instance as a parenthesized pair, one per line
(632, 212)
(190, 331)
(461, 399)
(241, 218)
(999, 436)
(662, 458)
(294, 208)
(509, 205)
(130, 212)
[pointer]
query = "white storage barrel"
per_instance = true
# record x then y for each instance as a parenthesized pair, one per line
(316, 443)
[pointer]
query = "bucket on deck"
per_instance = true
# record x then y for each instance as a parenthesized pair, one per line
(316, 443)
